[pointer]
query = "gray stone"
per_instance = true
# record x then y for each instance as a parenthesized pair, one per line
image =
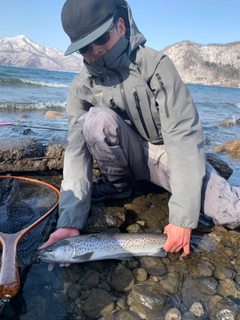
(90, 280)
(103, 217)
(122, 279)
(149, 300)
(99, 303)
(202, 268)
(219, 165)
(74, 291)
(153, 266)
(126, 315)
(188, 316)
(229, 287)
(140, 274)
(171, 282)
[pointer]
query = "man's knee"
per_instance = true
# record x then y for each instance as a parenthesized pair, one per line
(98, 121)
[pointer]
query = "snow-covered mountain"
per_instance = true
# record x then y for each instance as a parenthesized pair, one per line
(213, 64)
(20, 51)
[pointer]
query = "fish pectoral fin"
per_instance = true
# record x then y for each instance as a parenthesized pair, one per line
(84, 257)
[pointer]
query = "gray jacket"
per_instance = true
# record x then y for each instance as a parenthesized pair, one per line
(143, 86)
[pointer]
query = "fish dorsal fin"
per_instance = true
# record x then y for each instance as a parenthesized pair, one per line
(107, 231)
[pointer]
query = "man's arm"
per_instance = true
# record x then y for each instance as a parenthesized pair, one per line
(183, 139)
(75, 193)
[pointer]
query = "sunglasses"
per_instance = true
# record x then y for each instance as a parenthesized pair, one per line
(99, 41)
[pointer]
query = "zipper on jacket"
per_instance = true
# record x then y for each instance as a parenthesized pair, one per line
(105, 74)
(114, 106)
(165, 93)
(122, 92)
(137, 102)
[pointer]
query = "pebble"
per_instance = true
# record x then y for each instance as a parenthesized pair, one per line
(173, 314)
(197, 309)
(188, 316)
(140, 274)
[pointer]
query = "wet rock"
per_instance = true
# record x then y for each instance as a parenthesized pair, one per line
(180, 266)
(99, 303)
(122, 279)
(198, 269)
(140, 274)
(107, 317)
(171, 282)
(28, 155)
(54, 114)
(37, 307)
(134, 228)
(149, 300)
(229, 287)
(222, 273)
(74, 290)
(219, 165)
(222, 308)
(55, 153)
(153, 266)
(173, 314)
(227, 123)
(71, 274)
(231, 146)
(199, 290)
(105, 286)
(137, 207)
(154, 218)
(90, 280)
(197, 309)
(16, 154)
(207, 285)
(126, 315)
(188, 316)
(102, 217)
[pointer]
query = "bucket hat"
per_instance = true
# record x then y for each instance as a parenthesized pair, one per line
(86, 20)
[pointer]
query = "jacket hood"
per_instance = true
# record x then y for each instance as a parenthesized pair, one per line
(135, 37)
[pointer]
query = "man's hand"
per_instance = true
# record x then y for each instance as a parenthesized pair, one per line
(178, 238)
(59, 234)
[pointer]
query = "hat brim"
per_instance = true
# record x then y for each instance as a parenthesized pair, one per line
(74, 46)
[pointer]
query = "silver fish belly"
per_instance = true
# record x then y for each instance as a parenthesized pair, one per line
(104, 246)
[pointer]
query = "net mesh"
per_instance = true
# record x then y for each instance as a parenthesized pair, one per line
(22, 202)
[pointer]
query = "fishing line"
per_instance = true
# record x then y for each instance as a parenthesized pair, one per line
(2, 124)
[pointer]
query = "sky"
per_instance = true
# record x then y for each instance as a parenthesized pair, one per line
(163, 22)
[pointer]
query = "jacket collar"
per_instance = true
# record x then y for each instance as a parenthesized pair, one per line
(110, 59)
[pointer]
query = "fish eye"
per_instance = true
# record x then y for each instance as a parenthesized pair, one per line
(49, 250)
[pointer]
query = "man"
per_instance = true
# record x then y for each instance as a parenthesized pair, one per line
(129, 109)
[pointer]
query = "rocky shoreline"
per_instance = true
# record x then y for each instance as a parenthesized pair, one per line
(204, 285)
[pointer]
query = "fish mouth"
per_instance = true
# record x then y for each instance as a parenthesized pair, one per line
(45, 257)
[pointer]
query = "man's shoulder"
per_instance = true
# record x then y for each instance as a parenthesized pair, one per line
(80, 78)
(149, 55)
